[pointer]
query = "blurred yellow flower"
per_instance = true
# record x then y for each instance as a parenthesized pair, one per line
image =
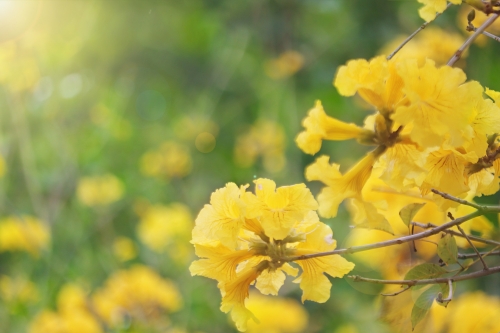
(14, 290)
(167, 229)
(3, 166)
(189, 127)
(72, 316)
(124, 248)
(287, 64)
(138, 293)
(265, 138)
(170, 160)
(23, 233)
(99, 190)
(470, 312)
(276, 315)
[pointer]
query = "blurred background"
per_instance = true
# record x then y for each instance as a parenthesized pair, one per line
(118, 119)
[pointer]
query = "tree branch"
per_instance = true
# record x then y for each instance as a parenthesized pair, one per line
(474, 275)
(390, 242)
(456, 233)
(469, 41)
(422, 27)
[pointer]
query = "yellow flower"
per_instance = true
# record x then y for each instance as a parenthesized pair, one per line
(222, 219)
(431, 7)
(265, 138)
(280, 209)
(402, 165)
(440, 103)
(138, 293)
(14, 290)
(446, 171)
(469, 312)
(124, 248)
(242, 239)
(170, 160)
(73, 314)
(339, 187)
(313, 281)
(320, 127)
(287, 64)
(276, 315)
(99, 190)
(376, 81)
(167, 229)
(3, 166)
(23, 233)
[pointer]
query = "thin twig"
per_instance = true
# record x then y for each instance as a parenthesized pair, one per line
(390, 242)
(486, 33)
(473, 247)
(456, 233)
(474, 255)
(457, 200)
(469, 41)
(450, 293)
(422, 27)
(397, 292)
(474, 275)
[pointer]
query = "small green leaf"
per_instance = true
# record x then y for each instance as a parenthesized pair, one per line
(409, 211)
(423, 304)
(425, 271)
(447, 249)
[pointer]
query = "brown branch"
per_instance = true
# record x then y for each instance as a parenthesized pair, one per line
(390, 242)
(456, 233)
(422, 27)
(457, 200)
(473, 247)
(397, 292)
(469, 41)
(470, 276)
(474, 255)
(470, 27)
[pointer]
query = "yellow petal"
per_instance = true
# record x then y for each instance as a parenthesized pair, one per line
(313, 282)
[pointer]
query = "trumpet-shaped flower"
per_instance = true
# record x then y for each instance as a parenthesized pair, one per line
(320, 127)
(339, 187)
(270, 227)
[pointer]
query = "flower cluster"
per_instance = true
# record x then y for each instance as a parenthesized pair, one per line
(134, 296)
(23, 233)
(431, 130)
(244, 238)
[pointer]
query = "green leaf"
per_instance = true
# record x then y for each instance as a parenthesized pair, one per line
(409, 211)
(424, 271)
(423, 304)
(447, 249)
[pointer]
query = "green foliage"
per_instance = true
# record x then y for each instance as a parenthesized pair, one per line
(447, 249)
